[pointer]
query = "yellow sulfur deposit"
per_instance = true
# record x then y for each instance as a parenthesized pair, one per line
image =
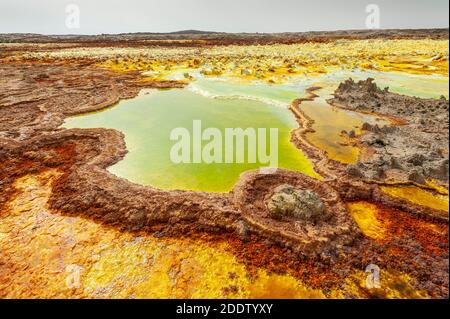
(365, 216)
(393, 285)
(418, 196)
(275, 63)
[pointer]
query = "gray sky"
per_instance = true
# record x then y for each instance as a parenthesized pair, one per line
(116, 16)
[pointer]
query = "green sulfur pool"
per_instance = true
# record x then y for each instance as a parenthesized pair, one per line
(147, 122)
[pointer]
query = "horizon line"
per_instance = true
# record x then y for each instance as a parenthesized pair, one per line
(194, 31)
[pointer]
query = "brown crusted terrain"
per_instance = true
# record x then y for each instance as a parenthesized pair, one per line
(353, 187)
(415, 151)
(36, 97)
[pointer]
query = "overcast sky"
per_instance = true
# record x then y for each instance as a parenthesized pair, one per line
(117, 16)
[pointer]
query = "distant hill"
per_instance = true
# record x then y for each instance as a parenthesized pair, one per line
(195, 32)
(144, 38)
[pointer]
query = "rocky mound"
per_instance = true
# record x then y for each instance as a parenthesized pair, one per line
(295, 203)
(295, 211)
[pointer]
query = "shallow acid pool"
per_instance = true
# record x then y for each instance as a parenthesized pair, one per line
(147, 122)
(329, 122)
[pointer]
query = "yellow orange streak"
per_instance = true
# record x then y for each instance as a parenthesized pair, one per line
(365, 216)
(419, 196)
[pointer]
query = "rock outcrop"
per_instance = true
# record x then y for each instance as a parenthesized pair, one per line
(303, 205)
(414, 148)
